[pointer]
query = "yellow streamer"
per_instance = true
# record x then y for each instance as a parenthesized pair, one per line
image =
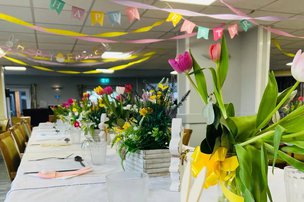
(278, 46)
(115, 68)
(219, 170)
(69, 33)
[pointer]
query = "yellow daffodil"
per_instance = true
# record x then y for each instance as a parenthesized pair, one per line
(143, 111)
(100, 103)
(126, 125)
(74, 110)
(117, 140)
(152, 91)
(162, 86)
(152, 97)
(98, 90)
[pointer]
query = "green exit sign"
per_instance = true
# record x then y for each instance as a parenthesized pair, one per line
(105, 80)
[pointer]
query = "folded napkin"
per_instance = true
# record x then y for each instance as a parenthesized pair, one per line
(63, 175)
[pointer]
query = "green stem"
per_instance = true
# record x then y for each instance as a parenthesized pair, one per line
(264, 135)
(301, 133)
(266, 120)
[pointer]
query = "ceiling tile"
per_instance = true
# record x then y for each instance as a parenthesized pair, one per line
(68, 4)
(23, 37)
(291, 24)
(23, 13)
(9, 27)
(292, 6)
(75, 28)
(248, 4)
(22, 3)
(259, 13)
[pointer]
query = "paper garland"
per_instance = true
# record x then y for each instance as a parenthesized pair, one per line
(278, 46)
(146, 57)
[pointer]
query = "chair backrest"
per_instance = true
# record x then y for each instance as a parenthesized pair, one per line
(186, 136)
(10, 153)
(26, 128)
(16, 120)
(19, 137)
(4, 124)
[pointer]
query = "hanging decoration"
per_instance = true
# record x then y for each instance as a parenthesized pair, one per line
(187, 27)
(202, 32)
(194, 14)
(114, 17)
(245, 24)
(278, 46)
(217, 33)
(174, 18)
(78, 13)
(132, 14)
(97, 18)
(57, 5)
(233, 30)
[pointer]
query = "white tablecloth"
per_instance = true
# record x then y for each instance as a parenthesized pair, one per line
(90, 187)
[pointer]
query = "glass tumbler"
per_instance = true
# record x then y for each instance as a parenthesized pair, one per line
(98, 152)
(294, 183)
(127, 187)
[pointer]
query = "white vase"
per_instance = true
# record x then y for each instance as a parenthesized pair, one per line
(98, 152)
(75, 135)
(294, 183)
(152, 162)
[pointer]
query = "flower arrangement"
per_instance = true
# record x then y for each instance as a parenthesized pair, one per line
(236, 149)
(149, 126)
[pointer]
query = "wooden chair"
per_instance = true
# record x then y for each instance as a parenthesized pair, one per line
(186, 136)
(19, 137)
(16, 120)
(10, 154)
(4, 125)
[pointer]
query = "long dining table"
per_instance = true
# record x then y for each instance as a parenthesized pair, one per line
(91, 187)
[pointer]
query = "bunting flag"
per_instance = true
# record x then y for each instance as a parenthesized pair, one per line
(78, 12)
(57, 5)
(245, 24)
(114, 17)
(203, 32)
(233, 30)
(187, 27)
(174, 18)
(217, 33)
(132, 14)
(97, 17)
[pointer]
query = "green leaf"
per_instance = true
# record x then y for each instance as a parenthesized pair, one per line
(276, 143)
(200, 80)
(268, 102)
(244, 172)
(292, 149)
(212, 133)
(293, 125)
(223, 63)
(230, 109)
(297, 143)
(264, 170)
(242, 127)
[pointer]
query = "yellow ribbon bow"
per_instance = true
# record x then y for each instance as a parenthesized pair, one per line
(219, 170)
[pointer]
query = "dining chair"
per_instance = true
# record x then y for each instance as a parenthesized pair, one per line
(4, 125)
(186, 136)
(16, 120)
(26, 128)
(19, 137)
(10, 154)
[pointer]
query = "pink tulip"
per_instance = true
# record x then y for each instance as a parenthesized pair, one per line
(70, 101)
(108, 90)
(215, 52)
(297, 67)
(182, 63)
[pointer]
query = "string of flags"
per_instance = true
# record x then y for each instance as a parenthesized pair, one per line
(97, 17)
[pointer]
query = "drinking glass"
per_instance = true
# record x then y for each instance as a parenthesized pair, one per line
(75, 134)
(294, 183)
(127, 187)
(98, 152)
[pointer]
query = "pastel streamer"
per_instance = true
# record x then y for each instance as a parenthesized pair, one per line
(192, 13)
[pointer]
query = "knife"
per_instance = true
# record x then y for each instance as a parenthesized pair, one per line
(35, 172)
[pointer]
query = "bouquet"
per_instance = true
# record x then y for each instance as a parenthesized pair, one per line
(236, 151)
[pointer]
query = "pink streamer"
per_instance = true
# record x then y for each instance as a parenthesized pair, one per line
(194, 14)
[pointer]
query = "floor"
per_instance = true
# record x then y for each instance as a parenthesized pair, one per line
(4, 181)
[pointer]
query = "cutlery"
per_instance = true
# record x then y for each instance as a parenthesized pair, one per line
(35, 172)
(51, 157)
(80, 160)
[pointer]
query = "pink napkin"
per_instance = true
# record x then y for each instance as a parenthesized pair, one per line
(54, 174)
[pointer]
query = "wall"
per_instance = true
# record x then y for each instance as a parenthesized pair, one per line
(46, 95)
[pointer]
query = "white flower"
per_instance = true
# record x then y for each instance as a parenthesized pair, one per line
(120, 90)
(297, 67)
(128, 107)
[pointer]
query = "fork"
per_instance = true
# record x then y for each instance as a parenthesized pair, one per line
(52, 157)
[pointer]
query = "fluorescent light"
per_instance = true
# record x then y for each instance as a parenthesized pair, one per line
(197, 2)
(14, 68)
(289, 64)
(105, 71)
(173, 73)
(115, 55)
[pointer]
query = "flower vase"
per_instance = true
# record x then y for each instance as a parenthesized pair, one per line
(75, 135)
(98, 151)
(294, 183)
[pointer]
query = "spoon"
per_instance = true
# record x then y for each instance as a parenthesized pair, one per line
(67, 140)
(79, 159)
